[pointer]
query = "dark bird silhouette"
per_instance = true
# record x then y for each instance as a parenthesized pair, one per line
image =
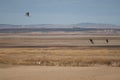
(27, 14)
(107, 41)
(91, 41)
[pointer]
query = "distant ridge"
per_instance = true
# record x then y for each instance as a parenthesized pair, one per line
(96, 25)
(80, 25)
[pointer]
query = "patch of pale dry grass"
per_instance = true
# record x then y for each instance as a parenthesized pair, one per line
(61, 56)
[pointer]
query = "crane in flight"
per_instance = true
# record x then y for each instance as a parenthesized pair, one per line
(27, 14)
(107, 41)
(91, 41)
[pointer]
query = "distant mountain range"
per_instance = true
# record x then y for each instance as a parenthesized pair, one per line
(81, 25)
(96, 25)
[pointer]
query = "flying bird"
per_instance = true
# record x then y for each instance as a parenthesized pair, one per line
(91, 41)
(27, 14)
(107, 40)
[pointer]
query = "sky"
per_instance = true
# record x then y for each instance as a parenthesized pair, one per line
(59, 11)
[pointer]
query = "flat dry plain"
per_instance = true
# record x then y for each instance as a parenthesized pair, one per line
(59, 73)
(59, 49)
(32, 57)
(57, 39)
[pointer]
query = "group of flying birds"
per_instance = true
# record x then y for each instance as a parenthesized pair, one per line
(91, 40)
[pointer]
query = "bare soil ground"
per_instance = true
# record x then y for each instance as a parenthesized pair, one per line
(59, 73)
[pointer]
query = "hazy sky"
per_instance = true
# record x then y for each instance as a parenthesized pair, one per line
(59, 11)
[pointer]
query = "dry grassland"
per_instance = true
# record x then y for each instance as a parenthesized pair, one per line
(61, 56)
